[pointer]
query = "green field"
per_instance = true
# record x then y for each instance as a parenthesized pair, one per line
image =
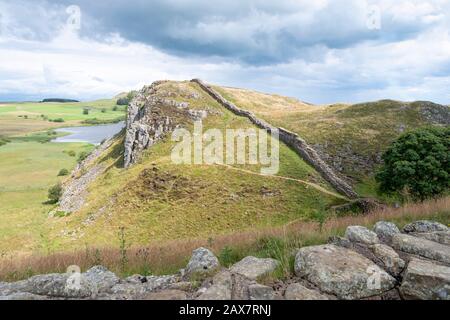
(29, 165)
(27, 117)
(27, 170)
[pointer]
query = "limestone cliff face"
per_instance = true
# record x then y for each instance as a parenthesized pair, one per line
(152, 114)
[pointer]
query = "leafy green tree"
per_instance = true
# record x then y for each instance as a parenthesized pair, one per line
(63, 172)
(418, 164)
(55, 193)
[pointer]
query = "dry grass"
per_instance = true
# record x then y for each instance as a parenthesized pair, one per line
(169, 257)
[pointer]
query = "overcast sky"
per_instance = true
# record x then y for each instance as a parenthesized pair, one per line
(320, 51)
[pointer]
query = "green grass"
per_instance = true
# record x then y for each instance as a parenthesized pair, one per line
(27, 170)
(280, 243)
(192, 201)
(362, 130)
(22, 118)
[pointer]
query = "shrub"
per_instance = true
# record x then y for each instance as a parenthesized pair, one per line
(55, 193)
(417, 164)
(123, 101)
(115, 108)
(86, 111)
(229, 256)
(57, 120)
(82, 156)
(96, 121)
(72, 153)
(103, 110)
(63, 172)
(4, 141)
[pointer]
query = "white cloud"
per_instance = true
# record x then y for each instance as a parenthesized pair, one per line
(51, 60)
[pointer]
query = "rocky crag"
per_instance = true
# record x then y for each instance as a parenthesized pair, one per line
(75, 189)
(383, 263)
(151, 115)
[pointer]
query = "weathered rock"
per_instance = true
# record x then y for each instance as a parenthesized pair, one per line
(424, 280)
(128, 291)
(181, 286)
(421, 247)
(253, 268)
(424, 226)
(438, 236)
(226, 286)
(8, 288)
(385, 230)
(136, 279)
(100, 279)
(60, 285)
(260, 292)
(23, 296)
(203, 261)
(166, 295)
(220, 289)
(160, 282)
(340, 242)
(390, 259)
(361, 235)
(342, 272)
(134, 288)
(296, 291)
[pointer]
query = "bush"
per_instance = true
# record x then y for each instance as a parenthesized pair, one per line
(115, 108)
(82, 156)
(417, 164)
(63, 172)
(122, 101)
(229, 256)
(55, 193)
(103, 110)
(57, 120)
(86, 111)
(72, 153)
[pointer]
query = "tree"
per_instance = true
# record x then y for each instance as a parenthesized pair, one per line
(124, 101)
(63, 172)
(418, 164)
(55, 193)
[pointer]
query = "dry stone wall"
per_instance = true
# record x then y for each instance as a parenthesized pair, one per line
(291, 139)
(365, 264)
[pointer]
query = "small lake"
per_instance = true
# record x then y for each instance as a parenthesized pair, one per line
(90, 134)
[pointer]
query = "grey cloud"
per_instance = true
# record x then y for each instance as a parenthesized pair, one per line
(252, 32)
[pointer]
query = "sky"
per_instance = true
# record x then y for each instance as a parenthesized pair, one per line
(321, 51)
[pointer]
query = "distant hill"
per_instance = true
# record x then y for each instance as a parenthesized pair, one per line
(60, 100)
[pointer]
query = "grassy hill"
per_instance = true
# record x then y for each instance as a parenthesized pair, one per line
(29, 165)
(156, 201)
(350, 138)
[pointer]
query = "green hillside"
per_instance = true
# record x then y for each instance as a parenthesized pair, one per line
(350, 138)
(156, 200)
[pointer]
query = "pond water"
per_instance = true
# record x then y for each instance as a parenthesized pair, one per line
(89, 134)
